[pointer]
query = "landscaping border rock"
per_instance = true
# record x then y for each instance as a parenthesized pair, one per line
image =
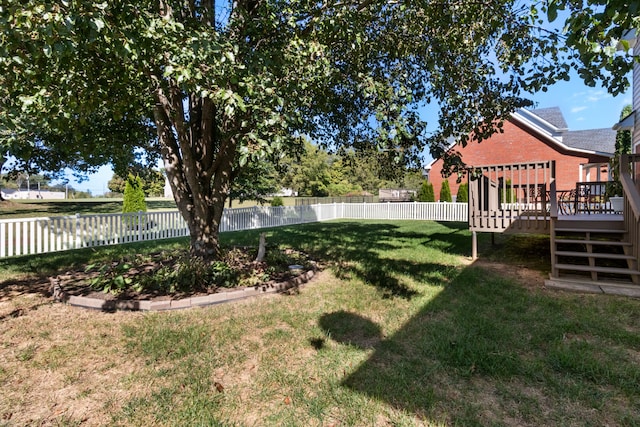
(196, 301)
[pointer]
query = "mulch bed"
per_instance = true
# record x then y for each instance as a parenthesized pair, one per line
(255, 274)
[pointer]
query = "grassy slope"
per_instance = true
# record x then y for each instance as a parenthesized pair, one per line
(401, 331)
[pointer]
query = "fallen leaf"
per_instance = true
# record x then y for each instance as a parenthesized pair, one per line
(219, 387)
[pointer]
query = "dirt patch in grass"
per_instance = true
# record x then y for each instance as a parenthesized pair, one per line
(527, 277)
(44, 382)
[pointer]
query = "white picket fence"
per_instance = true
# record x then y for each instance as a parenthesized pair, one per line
(25, 236)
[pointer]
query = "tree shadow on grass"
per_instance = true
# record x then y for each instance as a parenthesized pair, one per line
(356, 250)
(482, 351)
(456, 242)
(32, 271)
(351, 329)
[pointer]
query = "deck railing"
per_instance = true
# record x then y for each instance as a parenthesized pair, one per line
(629, 173)
(590, 198)
(512, 197)
(27, 236)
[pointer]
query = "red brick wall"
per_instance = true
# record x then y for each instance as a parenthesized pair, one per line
(517, 145)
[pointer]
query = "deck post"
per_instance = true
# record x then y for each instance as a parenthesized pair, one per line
(474, 246)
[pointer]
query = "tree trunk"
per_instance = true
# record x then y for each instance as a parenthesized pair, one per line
(204, 231)
(198, 166)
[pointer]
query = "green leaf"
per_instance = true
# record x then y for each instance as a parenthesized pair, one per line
(98, 24)
(552, 11)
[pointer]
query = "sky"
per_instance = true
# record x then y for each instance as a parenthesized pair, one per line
(583, 108)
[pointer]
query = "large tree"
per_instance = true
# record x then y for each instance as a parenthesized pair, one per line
(227, 82)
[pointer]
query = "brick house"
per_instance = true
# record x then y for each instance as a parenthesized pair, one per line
(537, 135)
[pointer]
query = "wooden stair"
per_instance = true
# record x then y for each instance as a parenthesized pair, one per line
(593, 256)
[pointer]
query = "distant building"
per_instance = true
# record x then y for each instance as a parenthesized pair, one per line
(399, 195)
(11, 194)
(286, 192)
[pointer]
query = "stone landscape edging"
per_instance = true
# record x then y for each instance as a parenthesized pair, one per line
(197, 301)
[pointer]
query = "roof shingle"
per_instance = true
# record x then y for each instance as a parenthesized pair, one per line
(599, 140)
(552, 115)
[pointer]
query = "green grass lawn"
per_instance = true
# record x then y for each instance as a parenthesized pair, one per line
(400, 329)
(38, 208)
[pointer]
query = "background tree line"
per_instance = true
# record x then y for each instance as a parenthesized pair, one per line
(318, 173)
(314, 173)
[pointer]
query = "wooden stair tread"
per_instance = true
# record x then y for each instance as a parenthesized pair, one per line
(594, 242)
(597, 269)
(594, 255)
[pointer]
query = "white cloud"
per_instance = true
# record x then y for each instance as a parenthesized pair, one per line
(578, 109)
(598, 95)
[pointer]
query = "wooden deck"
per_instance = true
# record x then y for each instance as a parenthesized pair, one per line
(591, 217)
(593, 249)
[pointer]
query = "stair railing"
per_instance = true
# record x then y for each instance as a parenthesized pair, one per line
(629, 177)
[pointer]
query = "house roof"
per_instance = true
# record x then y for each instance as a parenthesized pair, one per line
(550, 123)
(596, 140)
(627, 123)
(552, 115)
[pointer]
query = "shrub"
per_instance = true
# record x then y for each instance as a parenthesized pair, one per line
(112, 276)
(445, 192)
(177, 271)
(277, 201)
(185, 273)
(134, 195)
(133, 200)
(426, 194)
(463, 193)
(509, 195)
